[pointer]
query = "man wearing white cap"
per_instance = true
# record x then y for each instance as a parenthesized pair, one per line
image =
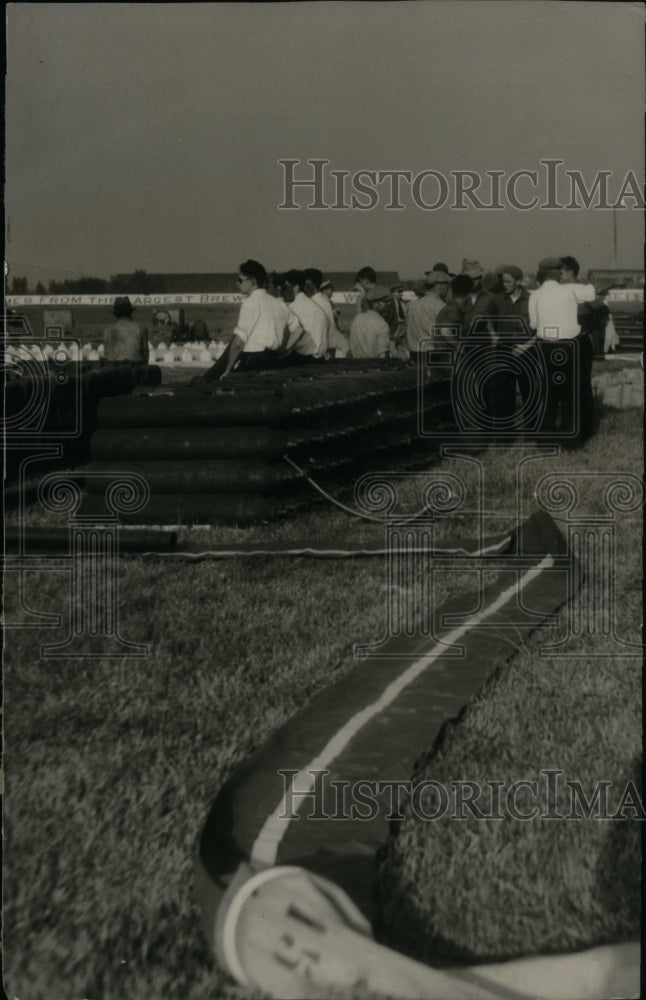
(423, 313)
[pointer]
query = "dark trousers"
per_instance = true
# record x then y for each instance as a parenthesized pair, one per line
(500, 389)
(569, 410)
(249, 361)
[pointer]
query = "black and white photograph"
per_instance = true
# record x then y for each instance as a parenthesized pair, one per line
(323, 493)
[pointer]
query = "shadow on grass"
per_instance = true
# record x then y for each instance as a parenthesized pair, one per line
(617, 889)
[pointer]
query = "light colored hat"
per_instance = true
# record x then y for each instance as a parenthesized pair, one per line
(472, 267)
(437, 278)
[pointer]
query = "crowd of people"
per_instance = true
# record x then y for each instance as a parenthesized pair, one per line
(289, 318)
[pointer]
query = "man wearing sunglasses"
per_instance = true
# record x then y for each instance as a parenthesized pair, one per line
(260, 329)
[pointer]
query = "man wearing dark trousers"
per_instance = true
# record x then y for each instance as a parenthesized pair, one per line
(510, 323)
(260, 330)
(567, 353)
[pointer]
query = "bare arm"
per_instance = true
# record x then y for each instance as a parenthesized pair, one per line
(235, 350)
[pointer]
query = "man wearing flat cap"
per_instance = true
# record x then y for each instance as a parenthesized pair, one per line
(553, 309)
(125, 340)
(370, 333)
(423, 313)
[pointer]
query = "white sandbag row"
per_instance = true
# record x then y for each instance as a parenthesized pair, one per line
(190, 355)
(62, 353)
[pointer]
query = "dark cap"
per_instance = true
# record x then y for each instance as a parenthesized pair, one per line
(378, 294)
(122, 306)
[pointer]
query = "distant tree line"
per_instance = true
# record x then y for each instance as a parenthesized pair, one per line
(138, 282)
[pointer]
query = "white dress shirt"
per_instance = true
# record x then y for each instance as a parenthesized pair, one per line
(314, 321)
(262, 321)
(553, 309)
(292, 328)
(322, 300)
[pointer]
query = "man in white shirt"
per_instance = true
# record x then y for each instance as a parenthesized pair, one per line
(313, 281)
(370, 333)
(553, 311)
(277, 287)
(312, 342)
(260, 330)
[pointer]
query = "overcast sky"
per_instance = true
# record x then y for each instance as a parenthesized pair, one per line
(148, 135)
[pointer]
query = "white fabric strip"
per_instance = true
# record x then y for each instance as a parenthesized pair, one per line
(338, 553)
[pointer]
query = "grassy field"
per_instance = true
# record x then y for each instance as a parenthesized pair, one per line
(111, 765)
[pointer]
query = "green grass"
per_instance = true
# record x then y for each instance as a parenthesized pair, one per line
(111, 766)
(460, 890)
